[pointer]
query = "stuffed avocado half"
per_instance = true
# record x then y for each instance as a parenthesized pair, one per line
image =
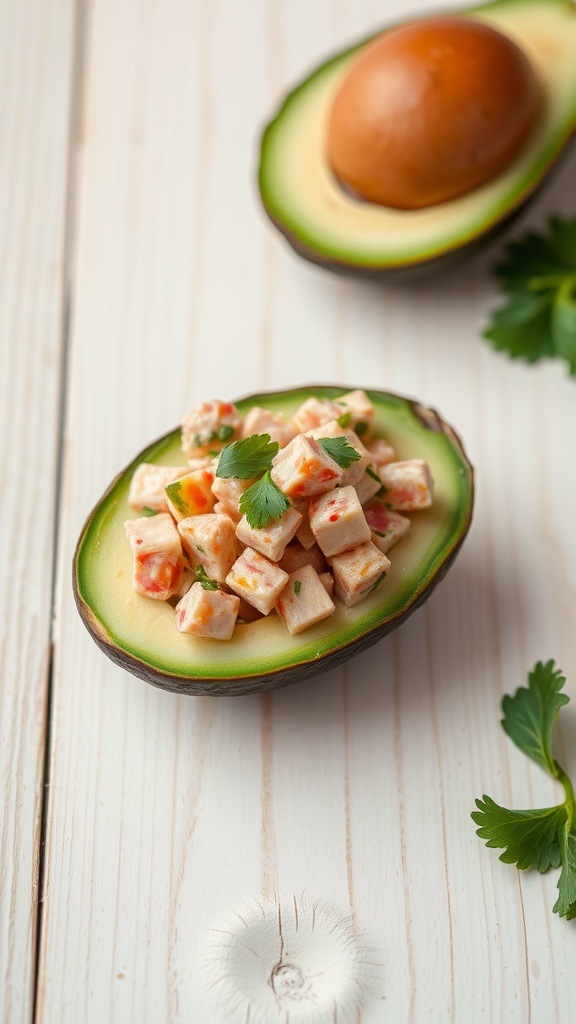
(139, 634)
(327, 224)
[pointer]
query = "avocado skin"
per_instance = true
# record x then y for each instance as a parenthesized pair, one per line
(408, 270)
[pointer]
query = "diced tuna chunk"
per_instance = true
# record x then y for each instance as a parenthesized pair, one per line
(147, 487)
(337, 521)
(191, 495)
(261, 421)
(303, 468)
(295, 556)
(158, 559)
(381, 452)
(327, 581)
(228, 491)
(210, 540)
(273, 538)
(313, 412)
(304, 534)
(387, 526)
(361, 412)
(369, 485)
(304, 601)
(208, 613)
(356, 470)
(257, 580)
(209, 427)
(408, 485)
(358, 572)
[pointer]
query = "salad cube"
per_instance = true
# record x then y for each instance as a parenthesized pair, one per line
(295, 556)
(191, 495)
(313, 412)
(408, 485)
(337, 521)
(147, 487)
(358, 572)
(228, 491)
(257, 580)
(209, 613)
(369, 485)
(387, 526)
(210, 540)
(260, 421)
(381, 452)
(361, 412)
(303, 601)
(356, 470)
(273, 538)
(208, 427)
(303, 468)
(158, 559)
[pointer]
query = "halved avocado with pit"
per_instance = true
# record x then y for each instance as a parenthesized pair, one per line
(327, 225)
(141, 635)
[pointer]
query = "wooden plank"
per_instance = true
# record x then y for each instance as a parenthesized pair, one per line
(36, 54)
(178, 827)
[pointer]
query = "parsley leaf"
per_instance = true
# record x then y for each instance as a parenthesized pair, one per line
(297, 587)
(146, 511)
(262, 502)
(545, 837)
(530, 714)
(538, 274)
(173, 492)
(204, 579)
(247, 458)
(344, 420)
(339, 450)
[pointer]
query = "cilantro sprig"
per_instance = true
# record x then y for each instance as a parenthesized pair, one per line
(203, 578)
(538, 276)
(252, 457)
(545, 837)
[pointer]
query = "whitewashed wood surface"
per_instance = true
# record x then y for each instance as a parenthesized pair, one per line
(139, 276)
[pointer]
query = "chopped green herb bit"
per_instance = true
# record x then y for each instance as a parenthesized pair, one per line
(146, 511)
(339, 450)
(379, 533)
(247, 458)
(538, 275)
(372, 472)
(200, 549)
(262, 502)
(297, 587)
(377, 582)
(344, 420)
(173, 491)
(361, 428)
(225, 432)
(205, 580)
(545, 837)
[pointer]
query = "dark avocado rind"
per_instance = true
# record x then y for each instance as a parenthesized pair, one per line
(327, 226)
(140, 635)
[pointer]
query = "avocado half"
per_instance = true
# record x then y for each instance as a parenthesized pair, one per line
(141, 636)
(328, 226)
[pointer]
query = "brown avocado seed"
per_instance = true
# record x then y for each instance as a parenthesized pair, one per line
(429, 111)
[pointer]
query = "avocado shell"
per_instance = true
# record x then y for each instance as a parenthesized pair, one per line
(329, 227)
(113, 615)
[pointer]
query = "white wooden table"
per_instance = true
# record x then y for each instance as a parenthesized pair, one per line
(139, 829)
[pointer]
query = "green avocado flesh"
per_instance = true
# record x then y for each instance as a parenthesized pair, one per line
(327, 225)
(141, 633)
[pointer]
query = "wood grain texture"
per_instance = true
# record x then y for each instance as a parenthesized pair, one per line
(173, 822)
(35, 90)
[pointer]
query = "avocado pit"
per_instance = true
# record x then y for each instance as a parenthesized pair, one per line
(429, 111)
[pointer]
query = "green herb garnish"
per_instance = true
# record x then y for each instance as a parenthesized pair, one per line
(339, 450)
(225, 432)
(262, 502)
(372, 472)
(538, 275)
(205, 580)
(146, 511)
(297, 587)
(360, 428)
(344, 420)
(173, 492)
(546, 837)
(249, 457)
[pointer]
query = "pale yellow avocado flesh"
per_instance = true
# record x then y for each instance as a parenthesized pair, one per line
(143, 631)
(305, 200)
